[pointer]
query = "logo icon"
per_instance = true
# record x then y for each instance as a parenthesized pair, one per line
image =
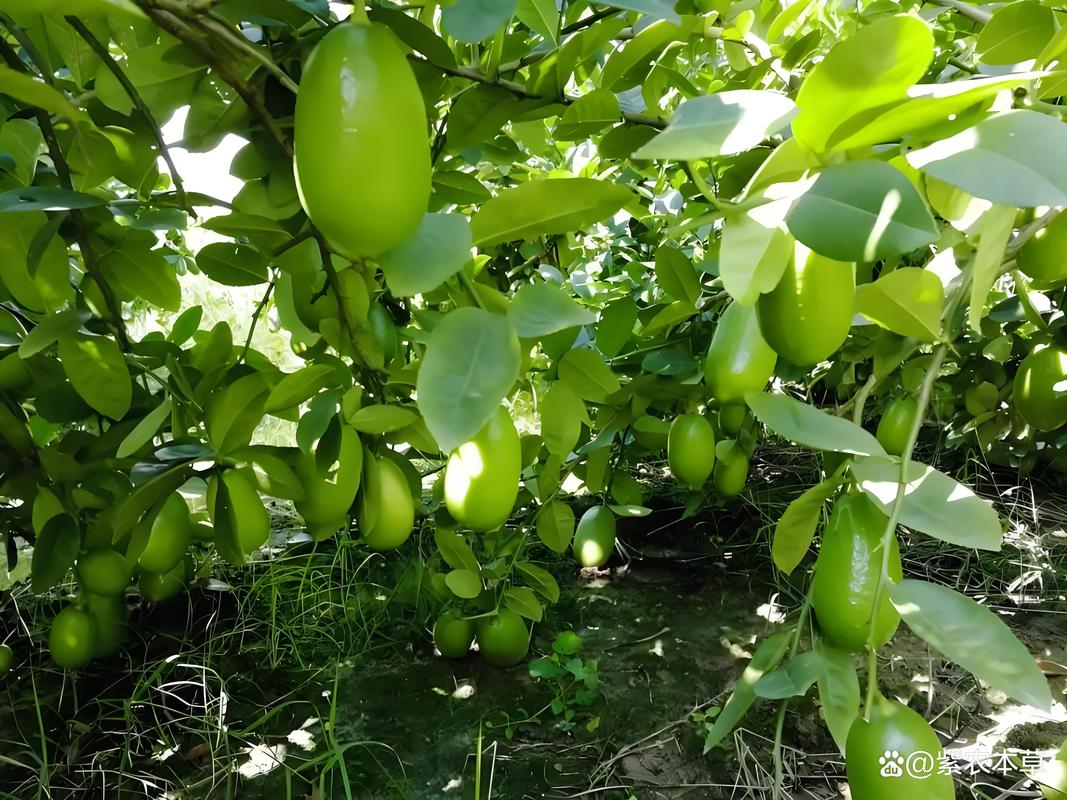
(921, 765)
(892, 764)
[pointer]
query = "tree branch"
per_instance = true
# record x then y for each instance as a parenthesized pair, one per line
(517, 89)
(55, 152)
(180, 29)
(101, 50)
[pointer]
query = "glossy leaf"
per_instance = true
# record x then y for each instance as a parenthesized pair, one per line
(972, 636)
(440, 248)
(934, 503)
(907, 301)
(472, 360)
(544, 207)
(720, 124)
(808, 426)
(861, 211)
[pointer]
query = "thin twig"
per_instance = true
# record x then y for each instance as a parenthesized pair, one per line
(519, 90)
(255, 319)
(219, 25)
(180, 29)
(969, 11)
(113, 67)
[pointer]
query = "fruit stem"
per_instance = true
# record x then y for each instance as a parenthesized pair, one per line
(359, 14)
(932, 373)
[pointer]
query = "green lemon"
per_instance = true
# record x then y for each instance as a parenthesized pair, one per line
(112, 622)
(157, 588)
(739, 359)
(594, 538)
(847, 573)
(651, 432)
(387, 511)
(807, 316)
(503, 639)
(104, 571)
(732, 418)
(730, 475)
(482, 475)
(169, 536)
(981, 398)
(691, 449)
(328, 495)
(1042, 257)
(247, 525)
(1039, 389)
(72, 637)
(361, 140)
(880, 749)
(453, 635)
(7, 658)
(894, 428)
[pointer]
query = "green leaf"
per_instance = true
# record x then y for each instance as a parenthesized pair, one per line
(51, 330)
(97, 371)
(862, 211)
(994, 231)
(768, 654)
(555, 526)
(590, 114)
(475, 20)
(544, 207)
(662, 9)
(472, 360)
(934, 503)
(796, 527)
(37, 94)
(793, 679)
(417, 35)
(587, 374)
(523, 602)
(232, 264)
(540, 580)
(907, 301)
(1015, 158)
(234, 413)
(562, 413)
(928, 106)
(810, 427)
(675, 274)
(455, 551)
(755, 249)
(164, 74)
(616, 326)
(216, 110)
(1016, 32)
(464, 583)
(23, 141)
(539, 309)
(643, 49)
(720, 124)
(873, 67)
(45, 198)
(379, 419)
(274, 477)
(541, 16)
(145, 429)
(56, 549)
(839, 692)
(409, 271)
(142, 274)
(297, 387)
(974, 637)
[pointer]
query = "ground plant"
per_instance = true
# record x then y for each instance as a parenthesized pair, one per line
(514, 279)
